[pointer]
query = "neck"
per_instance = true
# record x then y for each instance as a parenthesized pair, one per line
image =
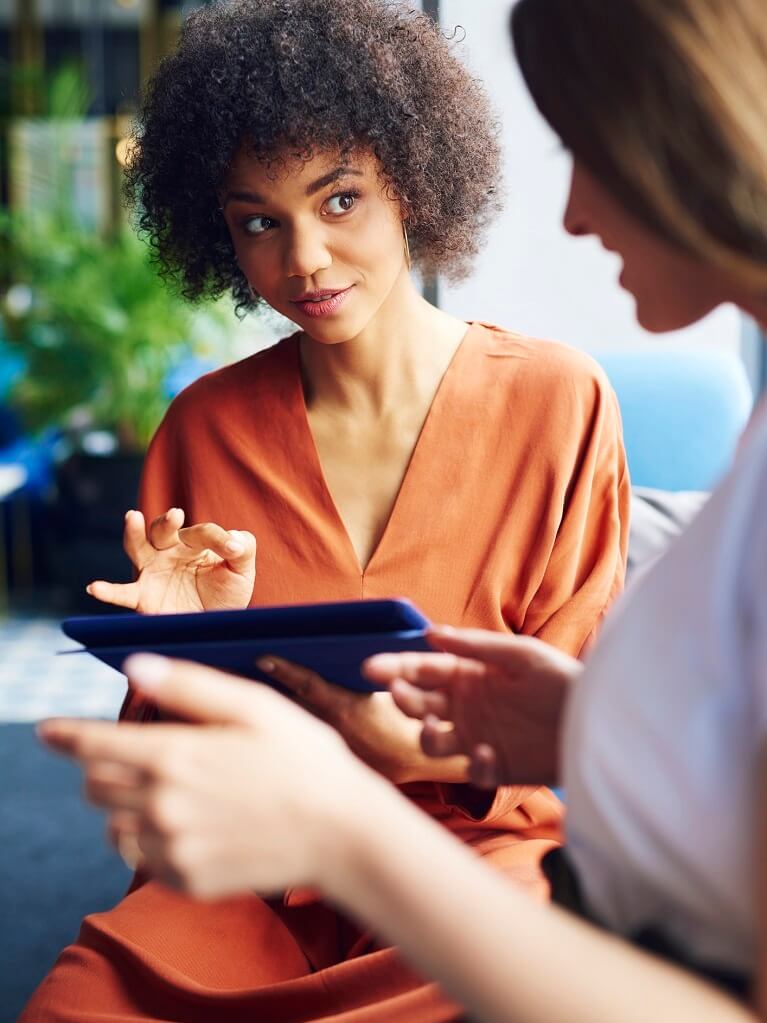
(397, 357)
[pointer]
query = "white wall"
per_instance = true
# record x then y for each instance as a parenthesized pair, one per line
(532, 276)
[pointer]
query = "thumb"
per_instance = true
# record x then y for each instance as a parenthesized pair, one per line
(197, 693)
(120, 594)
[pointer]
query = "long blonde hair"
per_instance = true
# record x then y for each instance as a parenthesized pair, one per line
(665, 101)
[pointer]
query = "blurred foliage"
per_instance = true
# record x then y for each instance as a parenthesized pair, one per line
(98, 331)
(59, 94)
(67, 93)
(85, 314)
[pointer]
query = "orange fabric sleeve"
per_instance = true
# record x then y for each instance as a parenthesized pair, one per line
(587, 566)
(585, 571)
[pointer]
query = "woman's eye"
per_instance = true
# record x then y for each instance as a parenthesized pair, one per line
(341, 203)
(257, 225)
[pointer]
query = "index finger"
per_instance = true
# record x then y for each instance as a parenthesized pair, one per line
(132, 745)
(197, 693)
(429, 671)
(502, 649)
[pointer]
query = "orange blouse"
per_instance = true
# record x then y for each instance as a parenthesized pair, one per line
(512, 515)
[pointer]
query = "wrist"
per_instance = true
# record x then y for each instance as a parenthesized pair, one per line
(354, 834)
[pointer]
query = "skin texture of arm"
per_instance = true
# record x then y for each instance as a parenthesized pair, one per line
(412, 882)
(190, 799)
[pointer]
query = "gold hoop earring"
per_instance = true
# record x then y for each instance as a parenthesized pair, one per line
(408, 260)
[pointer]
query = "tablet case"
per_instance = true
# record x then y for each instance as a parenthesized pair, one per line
(331, 639)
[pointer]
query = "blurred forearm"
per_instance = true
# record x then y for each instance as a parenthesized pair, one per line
(491, 947)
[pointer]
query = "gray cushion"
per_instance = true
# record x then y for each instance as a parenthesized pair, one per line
(657, 516)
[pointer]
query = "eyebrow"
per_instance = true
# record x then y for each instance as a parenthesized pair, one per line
(316, 186)
(328, 179)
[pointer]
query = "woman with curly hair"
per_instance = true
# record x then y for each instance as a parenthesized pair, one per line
(302, 154)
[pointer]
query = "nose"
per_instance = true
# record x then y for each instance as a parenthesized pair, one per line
(306, 251)
(574, 220)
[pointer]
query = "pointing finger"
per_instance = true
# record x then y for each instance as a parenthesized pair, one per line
(504, 650)
(198, 693)
(428, 671)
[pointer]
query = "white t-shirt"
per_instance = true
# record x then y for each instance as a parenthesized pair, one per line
(664, 731)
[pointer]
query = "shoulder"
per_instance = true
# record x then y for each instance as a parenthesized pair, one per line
(221, 392)
(542, 368)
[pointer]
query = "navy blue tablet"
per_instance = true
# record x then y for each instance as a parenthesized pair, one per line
(331, 639)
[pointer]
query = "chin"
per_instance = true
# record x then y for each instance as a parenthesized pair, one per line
(326, 332)
(661, 324)
(662, 320)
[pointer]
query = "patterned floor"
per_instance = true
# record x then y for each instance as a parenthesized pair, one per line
(37, 680)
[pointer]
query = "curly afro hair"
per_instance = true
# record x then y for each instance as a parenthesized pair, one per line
(299, 77)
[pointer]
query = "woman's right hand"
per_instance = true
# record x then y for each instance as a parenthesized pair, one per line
(495, 698)
(198, 568)
(261, 797)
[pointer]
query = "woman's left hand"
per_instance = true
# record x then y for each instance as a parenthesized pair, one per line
(258, 794)
(371, 723)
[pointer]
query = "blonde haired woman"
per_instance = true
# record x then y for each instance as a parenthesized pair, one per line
(660, 739)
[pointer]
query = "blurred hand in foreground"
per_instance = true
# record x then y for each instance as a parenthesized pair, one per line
(502, 697)
(198, 568)
(257, 799)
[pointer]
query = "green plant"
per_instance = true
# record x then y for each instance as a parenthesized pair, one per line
(96, 328)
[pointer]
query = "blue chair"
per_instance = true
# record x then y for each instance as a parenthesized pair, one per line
(26, 468)
(683, 412)
(33, 454)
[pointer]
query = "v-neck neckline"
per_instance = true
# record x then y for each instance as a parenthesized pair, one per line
(416, 454)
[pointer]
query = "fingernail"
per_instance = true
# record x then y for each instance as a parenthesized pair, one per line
(88, 588)
(129, 512)
(266, 664)
(233, 547)
(148, 670)
(445, 629)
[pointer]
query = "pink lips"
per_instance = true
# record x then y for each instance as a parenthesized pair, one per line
(322, 303)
